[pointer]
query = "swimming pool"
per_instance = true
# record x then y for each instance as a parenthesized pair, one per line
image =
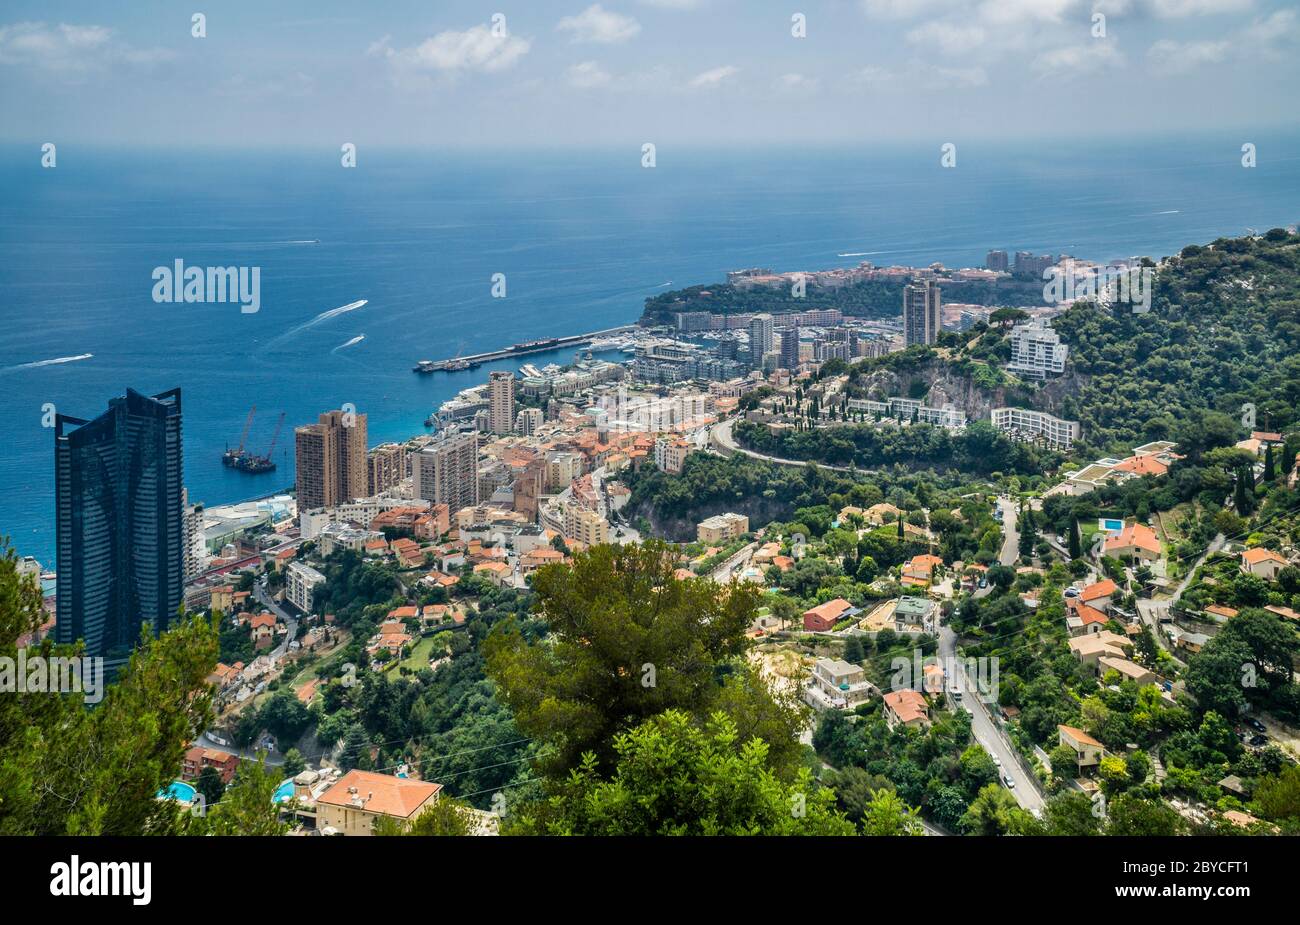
(178, 790)
(1112, 526)
(284, 792)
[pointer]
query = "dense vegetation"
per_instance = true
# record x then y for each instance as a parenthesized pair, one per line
(979, 449)
(866, 299)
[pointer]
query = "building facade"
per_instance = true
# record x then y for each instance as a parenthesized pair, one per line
(1035, 426)
(120, 523)
(446, 470)
(1037, 351)
(501, 402)
(331, 460)
(922, 313)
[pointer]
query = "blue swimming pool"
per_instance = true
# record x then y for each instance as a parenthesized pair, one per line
(178, 790)
(284, 792)
(1112, 526)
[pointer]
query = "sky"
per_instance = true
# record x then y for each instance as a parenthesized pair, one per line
(516, 74)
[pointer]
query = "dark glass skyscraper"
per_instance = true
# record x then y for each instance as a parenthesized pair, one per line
(120, 514)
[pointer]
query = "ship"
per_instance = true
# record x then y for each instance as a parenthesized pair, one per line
(530, 346)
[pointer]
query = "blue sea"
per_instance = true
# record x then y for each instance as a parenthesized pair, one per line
(583, 237)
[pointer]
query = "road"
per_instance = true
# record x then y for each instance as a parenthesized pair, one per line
(290, 622)
(985, 728)
(1150, 610)
(720, 435)
(987, 732)
(737, 560)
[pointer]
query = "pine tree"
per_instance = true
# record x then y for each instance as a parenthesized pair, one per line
(1269, 472)
(1076, 542)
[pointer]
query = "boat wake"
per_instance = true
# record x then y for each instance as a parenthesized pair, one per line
(54, 362)
(323, 316)
(356, 340)
(860, 254)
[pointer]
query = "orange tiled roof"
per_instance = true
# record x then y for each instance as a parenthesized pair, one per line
(381, 793)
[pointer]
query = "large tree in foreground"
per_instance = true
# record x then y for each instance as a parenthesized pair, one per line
(627, 641)
(675, 776)
(70, 769)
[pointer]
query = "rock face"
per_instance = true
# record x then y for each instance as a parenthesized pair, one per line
(939, 383)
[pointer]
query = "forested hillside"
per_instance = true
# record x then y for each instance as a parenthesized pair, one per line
(1222, 332)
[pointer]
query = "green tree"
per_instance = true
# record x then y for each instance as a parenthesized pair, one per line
(1277, 796)
(994, 811)
(293, 763)
(69, 770)
(246, 808)
(446, 817)
(672, 777)
(1132, 815)
(888, 815)
(209, 784)
(627, 640)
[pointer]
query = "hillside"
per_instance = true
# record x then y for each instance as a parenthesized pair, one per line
(867, 299)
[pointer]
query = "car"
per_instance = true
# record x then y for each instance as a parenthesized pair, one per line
(984, 582)
(1009, 781)
(996, 759)
(1259, 741)
(1255, 724)
(1071, 592)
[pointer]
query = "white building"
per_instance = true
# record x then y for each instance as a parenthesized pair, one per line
(1036, 351)
(1035, 426)
(300, 581)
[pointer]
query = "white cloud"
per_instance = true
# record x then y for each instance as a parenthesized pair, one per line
(71, 49)
(900, 9)
(1086, 58)
(919, 75)
(1176, 9)
(796, 83)
(1277, 27)
(1020, 12)
(674, 4)
(952, 38)
(587, 75)
(872, 76)
(1259, 40)
(599, 25)
(942, 78)
(475, 49)
(1170, 57)
(714, 77)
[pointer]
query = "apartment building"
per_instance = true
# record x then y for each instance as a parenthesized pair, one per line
(922, 313)
(446, 470)
(1036, 351)
(386, 466)
(722, 528)
(1035, 426)
(300, 581)
(331, 460)
(501, 402)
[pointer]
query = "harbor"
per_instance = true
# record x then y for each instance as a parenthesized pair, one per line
(472, 361)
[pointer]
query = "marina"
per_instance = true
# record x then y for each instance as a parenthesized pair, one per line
(533, 346)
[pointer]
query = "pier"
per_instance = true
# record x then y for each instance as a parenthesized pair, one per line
(522, 349)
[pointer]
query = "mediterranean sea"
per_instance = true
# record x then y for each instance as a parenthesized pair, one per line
(582, 237)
